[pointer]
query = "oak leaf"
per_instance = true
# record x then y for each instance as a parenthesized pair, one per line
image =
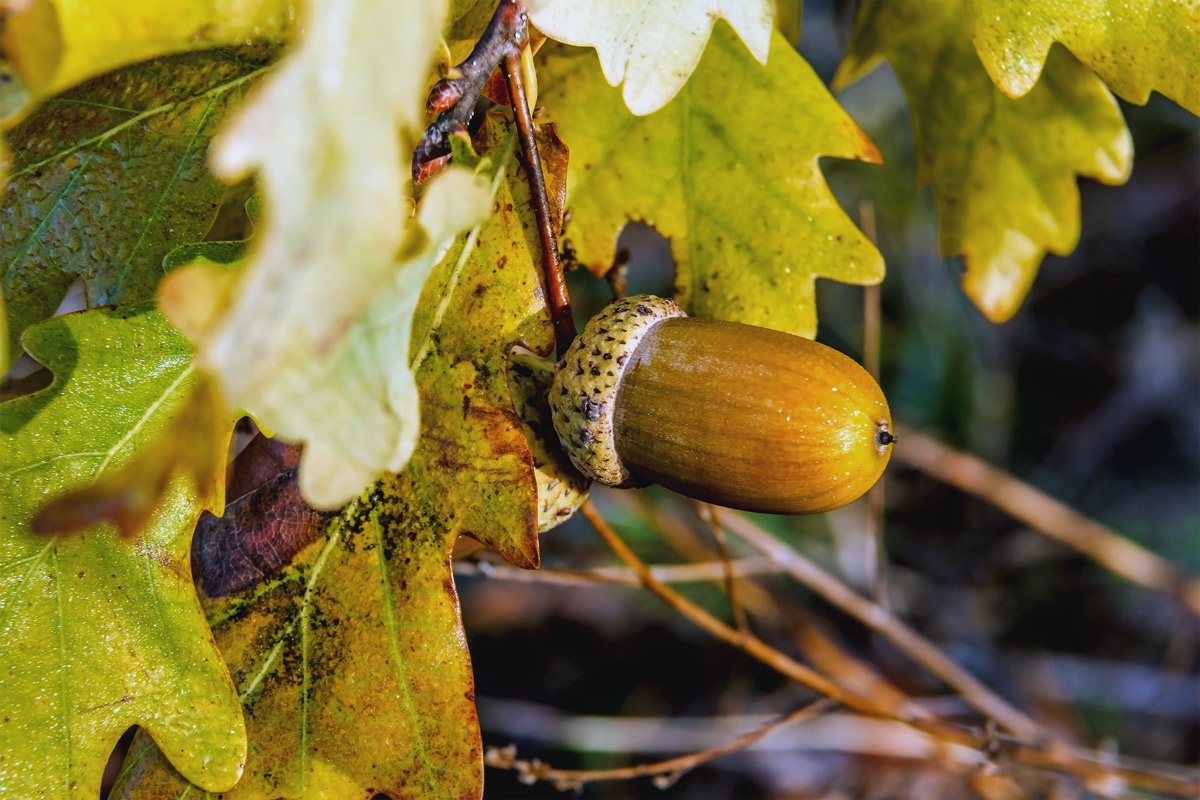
(1003, 169)
(652, 47)
(354, 404)
(1135, 47)
(352, 663)
(103, 632)
(109, 177)
(728, 172)
(53, 45)
(321, 135)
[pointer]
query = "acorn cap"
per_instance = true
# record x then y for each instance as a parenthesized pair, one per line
(583, 398)
(560, 488)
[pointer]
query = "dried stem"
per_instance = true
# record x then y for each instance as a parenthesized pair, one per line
(665, 772)
(708, 513)
(1044, 753)
(1044, 513)
(743, 640)
(883, 622)
(621, 576)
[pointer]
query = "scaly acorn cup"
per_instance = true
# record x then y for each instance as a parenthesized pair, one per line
(730, 414)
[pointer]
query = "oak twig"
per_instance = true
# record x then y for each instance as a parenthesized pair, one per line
(453, 99)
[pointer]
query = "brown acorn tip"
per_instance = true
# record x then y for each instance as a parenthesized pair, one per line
(883, 436)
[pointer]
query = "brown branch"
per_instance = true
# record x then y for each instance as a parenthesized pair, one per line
(665, 772)
(1057, 520)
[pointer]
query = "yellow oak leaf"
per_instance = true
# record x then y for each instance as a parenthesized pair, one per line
(651, 45)
(1135, 46)
(351, 661)
(55, 44)
(728, 172)
(1003, 169)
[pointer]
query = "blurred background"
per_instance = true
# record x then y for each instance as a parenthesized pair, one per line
(1092, 394)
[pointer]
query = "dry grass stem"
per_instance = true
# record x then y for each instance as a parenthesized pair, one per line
(1055, 519)
(622, 576)
(883, 622)
(665, 773)
(708, 513)
(1043, 752)
(743, 640)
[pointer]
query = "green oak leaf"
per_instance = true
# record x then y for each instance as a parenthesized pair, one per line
(101, 632)
(727, 172)
(352, 663)
(1003, 169)
(1135, 46)
(108, 177)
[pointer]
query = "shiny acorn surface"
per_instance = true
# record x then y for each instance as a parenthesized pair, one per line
(732, 414)
(750, 418)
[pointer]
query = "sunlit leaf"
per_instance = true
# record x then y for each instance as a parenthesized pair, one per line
(55, 44)
(651, 46)
(192, 444)
(355, 403)
(110, 176)
(102, 632)
(326, 137)
(351, 662)
(1003, 169)
(728, 172)
(1135, 46)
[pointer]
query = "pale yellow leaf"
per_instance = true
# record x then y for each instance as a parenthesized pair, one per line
(327, 137)
(651, 45)
(355, 403)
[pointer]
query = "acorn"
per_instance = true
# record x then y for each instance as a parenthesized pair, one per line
(731, 414)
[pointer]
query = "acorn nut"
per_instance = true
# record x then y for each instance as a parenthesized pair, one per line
(731, 414)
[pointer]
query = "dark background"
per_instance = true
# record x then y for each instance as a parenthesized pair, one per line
(1091, 393)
